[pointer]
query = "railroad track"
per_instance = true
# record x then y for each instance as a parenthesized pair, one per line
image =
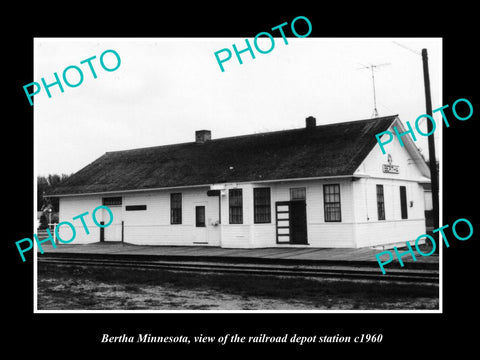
(316, 271)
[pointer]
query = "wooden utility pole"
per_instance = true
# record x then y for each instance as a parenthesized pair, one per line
(431, 143)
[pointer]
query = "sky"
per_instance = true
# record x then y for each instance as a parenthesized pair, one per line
(166, 88)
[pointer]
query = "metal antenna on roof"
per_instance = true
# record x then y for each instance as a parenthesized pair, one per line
(372, 67)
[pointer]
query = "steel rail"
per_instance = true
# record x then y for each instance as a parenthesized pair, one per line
(317, 271)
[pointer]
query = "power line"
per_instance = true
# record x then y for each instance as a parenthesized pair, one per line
(409, 49)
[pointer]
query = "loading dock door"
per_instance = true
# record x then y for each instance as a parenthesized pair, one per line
(291, 222)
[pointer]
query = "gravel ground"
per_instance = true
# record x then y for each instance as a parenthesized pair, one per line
(77, 288)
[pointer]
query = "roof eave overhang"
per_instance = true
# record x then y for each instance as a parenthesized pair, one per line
(413, 150)
(209, 186)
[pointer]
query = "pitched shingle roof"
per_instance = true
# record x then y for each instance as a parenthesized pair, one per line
(328, 150)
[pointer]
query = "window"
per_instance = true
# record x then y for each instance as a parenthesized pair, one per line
(175, 208)
(403, 202)
(261, 205)
(135, 207)
(200, 216)
(297, 193)
(112, 201)
(331, 202)
(380, 203)
(236, 206)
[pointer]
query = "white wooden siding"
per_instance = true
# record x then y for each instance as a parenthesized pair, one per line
(319, 232)
(389, 232)
(372, 164)
(369, 231)
(359, 224)
(152, 226)
(71, 207)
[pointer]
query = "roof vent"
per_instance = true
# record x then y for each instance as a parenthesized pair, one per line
(310, 122)
(202, 136)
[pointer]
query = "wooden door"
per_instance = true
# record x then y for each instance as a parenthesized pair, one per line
(298, 222)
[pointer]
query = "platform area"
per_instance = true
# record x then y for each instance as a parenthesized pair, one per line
(355, 257)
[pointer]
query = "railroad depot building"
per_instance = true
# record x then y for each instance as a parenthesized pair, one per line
(316, 186)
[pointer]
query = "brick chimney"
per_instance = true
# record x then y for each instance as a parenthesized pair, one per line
(201, 136)
(310, 122)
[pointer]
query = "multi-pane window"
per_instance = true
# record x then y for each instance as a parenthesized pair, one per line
(175, 208)
(380, 203)
(331, 202)
(236, 206)
(297, 193)
(403, 202)
(261, 205)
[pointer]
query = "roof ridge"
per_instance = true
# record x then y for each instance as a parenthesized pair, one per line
(334, 149)
(247, 135)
